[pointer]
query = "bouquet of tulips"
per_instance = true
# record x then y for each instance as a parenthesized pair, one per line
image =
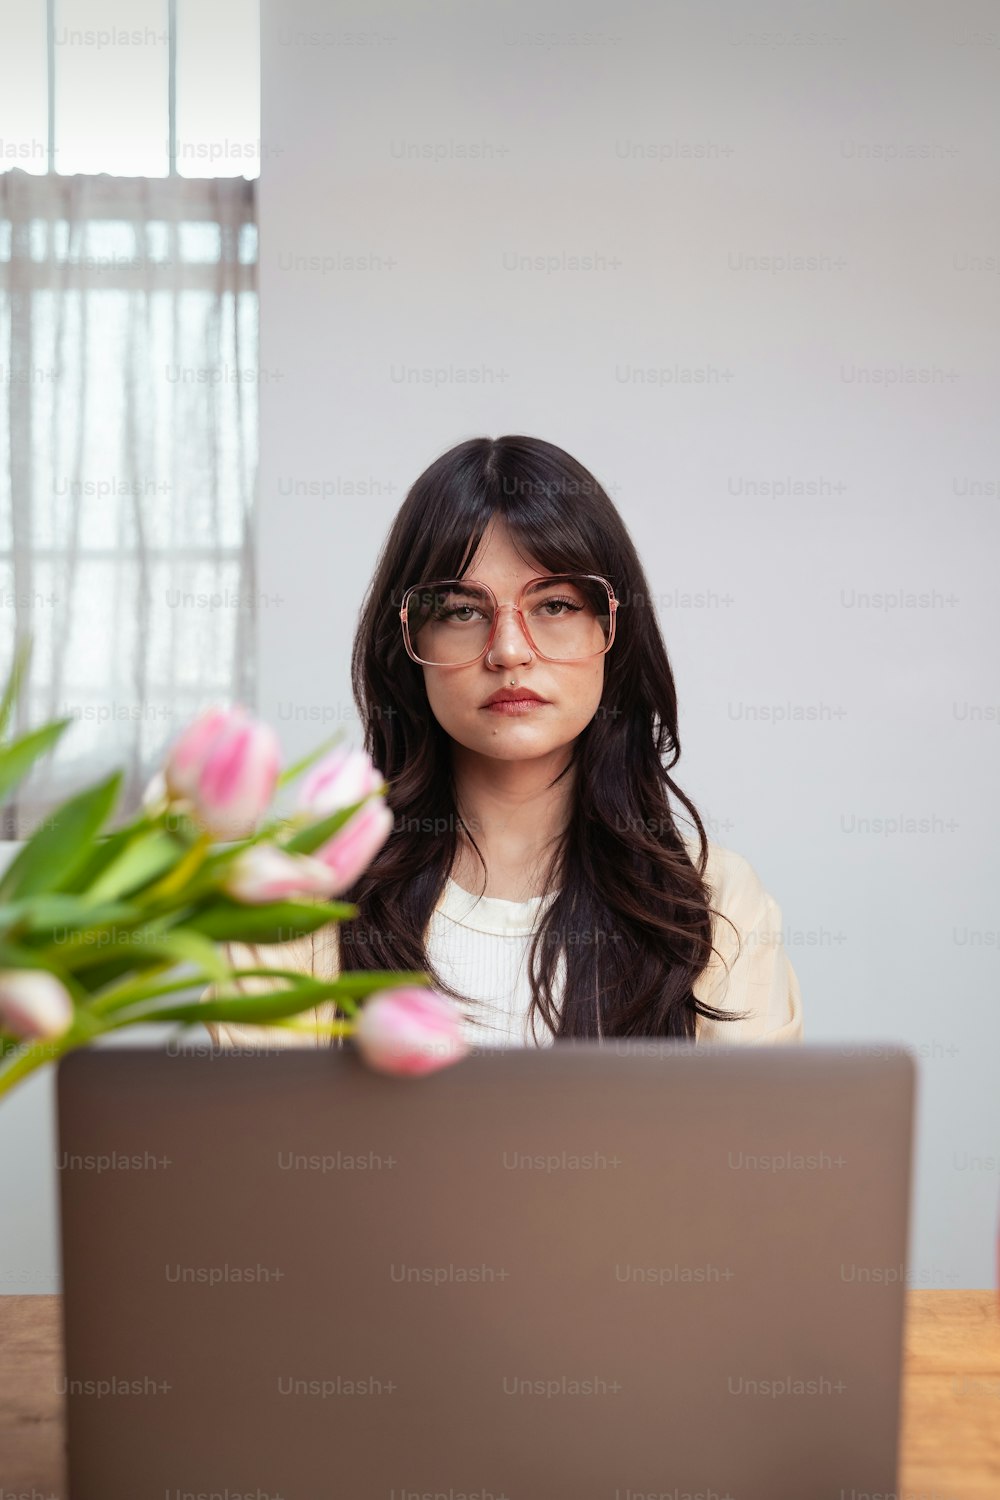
(96, 926)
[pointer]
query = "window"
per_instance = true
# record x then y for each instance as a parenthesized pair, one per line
(128, 377)
(131, 87)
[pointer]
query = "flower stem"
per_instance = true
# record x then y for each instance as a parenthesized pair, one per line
(135, 987)
(34, 1055)
(185, 867)
(322, 1028)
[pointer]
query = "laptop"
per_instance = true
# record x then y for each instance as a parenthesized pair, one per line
(604, 1270)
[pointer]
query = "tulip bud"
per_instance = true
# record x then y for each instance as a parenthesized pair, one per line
(225, 766)
(352, 848)
(341, 778)
(187, 756)
(155, 799)
(34, 1003)
(409, 1031)
(265, 873)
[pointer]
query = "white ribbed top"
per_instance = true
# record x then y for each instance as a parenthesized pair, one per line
(480, 945)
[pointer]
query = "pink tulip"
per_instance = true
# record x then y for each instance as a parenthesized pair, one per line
(225, 766)
(34, 1003)
(187, 757)
(352, 848)
(264, 873)
(409, 1031)
(341, 778)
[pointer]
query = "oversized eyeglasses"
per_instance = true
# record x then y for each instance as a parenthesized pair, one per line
(452, 622)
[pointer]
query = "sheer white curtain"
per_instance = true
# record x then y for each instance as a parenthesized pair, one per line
(128, 462)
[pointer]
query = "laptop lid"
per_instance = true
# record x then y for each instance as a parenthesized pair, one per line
(603, 1271)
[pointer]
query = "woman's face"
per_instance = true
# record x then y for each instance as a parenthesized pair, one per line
(571, 690)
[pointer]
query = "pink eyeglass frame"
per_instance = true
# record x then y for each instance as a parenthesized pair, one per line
(497, 607)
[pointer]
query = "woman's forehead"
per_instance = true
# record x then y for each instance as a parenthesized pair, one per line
(499, 557)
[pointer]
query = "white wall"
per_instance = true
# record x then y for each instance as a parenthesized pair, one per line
(894, 934)
(678, 140)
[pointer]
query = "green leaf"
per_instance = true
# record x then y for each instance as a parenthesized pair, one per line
(276, 922)
(286, 1000)
(12, 690)
(308, 760)
(12, 956)
(290, 1001)
(54, 852)
(93, 978)
(141, 943)
(37, 912)
(361, 982)
(191, 947)
(143, 987)
(137, 980)
(38, 915)
(104, 850)
(309, 839)
(142, 860)
(17, 758)
(302, 994)
(253, 1008)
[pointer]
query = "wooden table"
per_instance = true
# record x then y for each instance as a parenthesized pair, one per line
(951, 1397)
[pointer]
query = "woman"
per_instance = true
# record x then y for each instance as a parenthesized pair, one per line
(535, 869)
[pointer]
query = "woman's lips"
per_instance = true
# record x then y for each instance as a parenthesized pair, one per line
(514, 706)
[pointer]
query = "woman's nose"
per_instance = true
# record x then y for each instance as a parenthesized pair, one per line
(510, 643)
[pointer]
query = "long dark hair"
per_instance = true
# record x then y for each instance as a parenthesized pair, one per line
(623, 865)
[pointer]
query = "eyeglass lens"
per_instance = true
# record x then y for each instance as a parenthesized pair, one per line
(568, 619)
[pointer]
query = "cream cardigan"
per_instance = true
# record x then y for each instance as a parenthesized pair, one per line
(480, 945)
